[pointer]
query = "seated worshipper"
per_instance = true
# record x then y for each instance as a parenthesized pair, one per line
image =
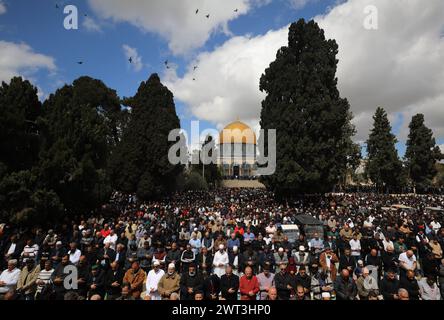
(160, 256)
(169, 283)
(30, 251)
(428, 288)
(410, 284)
(131, 255)
(58, 277)
(327, 261)
(195, 243)
(345, 287)
(281, 257)
(233, 242)
(96, 282)
(321, 283)
(145, 256)
(389, 259)
(191, 282)
(365, 284)
(205, 261)
(105, 256)
(125, 294)
(301, 258)
(134, 278)
(9, 278)
(316, 244)
(284, 283)
(173, 256)
(266, 258)
(229, 284)
(303, 279)
(235, 259)
(83, 270)
(74, 253)
(266, 281)
(250, 258)
(152, 281)
(211, 287)
(26, 285)
(113, 281)
(207, 241)
(407, 261)
(43, 281)
(187, 258)
(220, 261)
(346, 261)
(248, 285)
(389, 286)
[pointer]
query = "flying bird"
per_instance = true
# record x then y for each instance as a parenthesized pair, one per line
(236, 10)
(195, 67)
(130, 60)
(166, 62)
(208, 16)
(194, 79)
(80, 62)
(197, 11)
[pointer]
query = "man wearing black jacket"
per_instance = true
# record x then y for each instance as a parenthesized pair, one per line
(96, 282)
(113, 281)
(346, 261)
(190, 282)
(211, 287)
(229, 284)
(83, 273)
(345, 287)
(106, 255)
(389, 286)
(283, 282)
(173, 256)
(410, 284)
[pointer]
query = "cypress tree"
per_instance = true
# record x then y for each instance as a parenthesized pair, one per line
(312, 121)
(422, 154)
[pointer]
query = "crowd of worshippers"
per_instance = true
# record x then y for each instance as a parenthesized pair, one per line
(229, 244)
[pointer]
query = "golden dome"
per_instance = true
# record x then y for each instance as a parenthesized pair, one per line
(239, 132)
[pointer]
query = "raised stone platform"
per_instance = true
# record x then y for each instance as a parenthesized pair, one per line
(248, 184)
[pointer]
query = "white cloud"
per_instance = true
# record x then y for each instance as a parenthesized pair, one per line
(2, 7)
(174, 20)
(91, 25)
(226, 84)
(19, 59)
(131, 53)
(299, 4)
(399, 66)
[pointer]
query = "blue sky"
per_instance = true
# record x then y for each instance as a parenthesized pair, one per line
(39, 25)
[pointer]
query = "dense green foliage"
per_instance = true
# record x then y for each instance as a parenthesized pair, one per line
(314, 146)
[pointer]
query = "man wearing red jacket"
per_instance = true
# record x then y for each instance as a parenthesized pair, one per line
(248, 285)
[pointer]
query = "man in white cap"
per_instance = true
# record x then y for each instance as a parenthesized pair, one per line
(235, 260)
(220, 261)
(301, 258)
(169, 284)
(280, 257)
(152, 281)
